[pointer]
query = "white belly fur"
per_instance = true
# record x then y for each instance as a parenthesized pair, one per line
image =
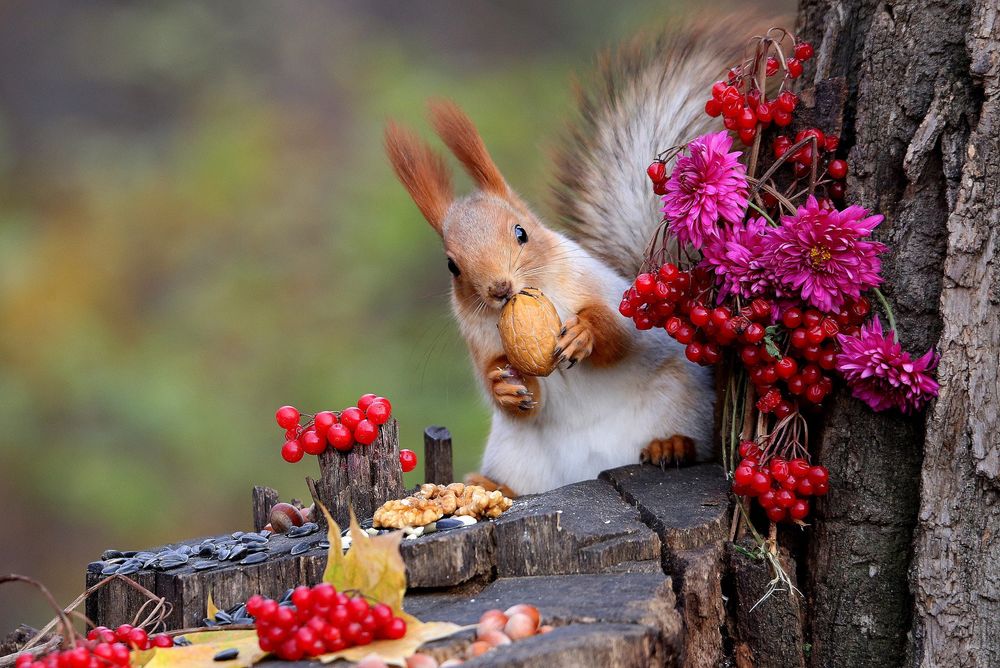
(594, 419)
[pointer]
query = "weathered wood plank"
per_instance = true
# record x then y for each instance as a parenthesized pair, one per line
(362, 479)
(687, 507)
(437, 456)
(263, 499)
(580, 528)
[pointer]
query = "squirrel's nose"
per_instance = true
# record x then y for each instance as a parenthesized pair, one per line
(501, 290)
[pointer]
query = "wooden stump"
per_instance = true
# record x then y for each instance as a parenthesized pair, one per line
(437, 456)
(264, 499)
(362, 479)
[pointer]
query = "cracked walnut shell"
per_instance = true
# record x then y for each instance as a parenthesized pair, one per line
(409, 512)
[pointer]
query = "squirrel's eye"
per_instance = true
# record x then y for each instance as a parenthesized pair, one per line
(520, 235)
(453, 268)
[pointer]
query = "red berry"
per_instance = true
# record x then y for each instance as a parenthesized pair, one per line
(799, 510)
(754, 333)
(395, 629)
(685, 334)
(760, 483)
(627, 308)
(796, 385)
(366, 432)
(699, 316)
(340, 437)
(750, 355)
(660, 187)
(804, 487)
(292, 451)
(302, 597)
(820, 488)
(787, 101)
(287, 417)
(792, 318)
(781, 145)
(776, 514)
(351, 417)
(377, 413)
(743, 475)
(803, 51)
(312, 443)
(720, 316)
(747, 135)
(815, 335)
(832, 143)
(772, 66)
(365, 401)
(794, 66)
(783, 409)
(781, 118)
(407, 460)
(668, 272)
(323, 421)
(645, 284)
(746, 119)
(138, 638)
(836, 190)
(719, 89)
(810, 374)
(786, 367)
(837, 169)
(162, 640)
(711, 353)
(819, 475)
(765, 113)
(657, 169)
(784, 498)
(798, 467)
(693, 352)
(357, 608)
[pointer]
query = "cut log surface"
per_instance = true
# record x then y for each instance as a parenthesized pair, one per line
(589, 555)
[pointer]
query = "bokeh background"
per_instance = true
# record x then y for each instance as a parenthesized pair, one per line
(197, 225)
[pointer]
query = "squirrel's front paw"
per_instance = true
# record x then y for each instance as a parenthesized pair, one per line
(674, 450)
(510, 392)
(575, 343)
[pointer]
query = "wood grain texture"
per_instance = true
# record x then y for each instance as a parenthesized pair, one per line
(956, 571)
(437, 456)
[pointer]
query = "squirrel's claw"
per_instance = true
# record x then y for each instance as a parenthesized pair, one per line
(575, 343)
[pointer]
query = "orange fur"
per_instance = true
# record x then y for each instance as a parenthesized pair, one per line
(611, 342)
(422, 171)
(502, 388)
(460, 135)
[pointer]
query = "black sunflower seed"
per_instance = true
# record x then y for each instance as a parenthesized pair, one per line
(205, 565)
(226, 655)
(96, 566)
(110, 569)
(255, 558)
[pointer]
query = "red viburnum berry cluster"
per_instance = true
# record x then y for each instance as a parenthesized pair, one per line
(321, 620)
(830, 171)
(103, 647)
(781, 486)
(355, 424)
(798, 373)
(744, 107)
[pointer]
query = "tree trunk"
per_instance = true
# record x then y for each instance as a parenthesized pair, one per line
(922, 140)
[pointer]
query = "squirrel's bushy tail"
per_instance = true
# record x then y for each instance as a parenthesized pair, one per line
(646, 96)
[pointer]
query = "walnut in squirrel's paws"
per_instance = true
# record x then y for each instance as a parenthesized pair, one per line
(575, 343)
(674, 450)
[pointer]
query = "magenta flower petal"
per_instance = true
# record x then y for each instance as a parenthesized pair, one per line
(882, 374)
(705, 187)
(824, 255)
(736, 257)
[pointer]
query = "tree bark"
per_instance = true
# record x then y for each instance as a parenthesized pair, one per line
(956, 571)
(920, 137)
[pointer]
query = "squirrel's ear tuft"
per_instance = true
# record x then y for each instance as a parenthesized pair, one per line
(422, 171)
(461, 136)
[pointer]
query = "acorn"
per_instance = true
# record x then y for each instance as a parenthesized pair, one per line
(529, 330)
(284, 516)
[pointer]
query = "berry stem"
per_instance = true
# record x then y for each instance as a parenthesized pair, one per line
(888, 310)
(762, 212)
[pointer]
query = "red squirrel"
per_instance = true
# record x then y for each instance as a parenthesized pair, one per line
(619, 396)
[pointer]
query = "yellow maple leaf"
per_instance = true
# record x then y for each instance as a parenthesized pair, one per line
(203, 648)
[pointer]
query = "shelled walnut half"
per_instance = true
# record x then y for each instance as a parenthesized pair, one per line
(432, 502)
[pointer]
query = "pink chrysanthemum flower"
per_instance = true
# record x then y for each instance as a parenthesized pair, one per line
(737, 258)
(823, 255)
(882, 374)
(708, 186)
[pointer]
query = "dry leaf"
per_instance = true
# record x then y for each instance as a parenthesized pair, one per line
(204, 646)
(210, 609)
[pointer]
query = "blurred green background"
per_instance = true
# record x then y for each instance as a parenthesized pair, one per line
(197, 225)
